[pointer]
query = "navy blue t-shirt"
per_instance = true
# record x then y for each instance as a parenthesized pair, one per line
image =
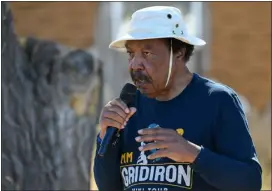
(206, 113)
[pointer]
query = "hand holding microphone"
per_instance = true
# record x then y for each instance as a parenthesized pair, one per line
(115, 115)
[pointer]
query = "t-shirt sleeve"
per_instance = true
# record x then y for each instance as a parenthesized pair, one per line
(234, 164)
(107, 168)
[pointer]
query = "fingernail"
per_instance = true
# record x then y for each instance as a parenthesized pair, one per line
(149, 156)
(138, 138)
(127, 110)
(140, 148)
(125, 123)
(140, 131)
(122, 127)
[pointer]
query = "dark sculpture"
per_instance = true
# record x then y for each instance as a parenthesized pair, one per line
(51, 98)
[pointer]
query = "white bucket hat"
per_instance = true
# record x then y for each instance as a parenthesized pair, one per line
(157, 22)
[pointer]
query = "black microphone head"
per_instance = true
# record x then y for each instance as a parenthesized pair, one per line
(128, 94)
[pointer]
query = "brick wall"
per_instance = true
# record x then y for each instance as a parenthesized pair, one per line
(70, 23)
(241, 48)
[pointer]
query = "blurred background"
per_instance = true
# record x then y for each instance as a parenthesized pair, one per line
(72, 73)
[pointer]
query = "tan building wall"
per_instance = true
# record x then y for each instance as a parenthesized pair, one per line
(241, 48)
(240, 38)
(70, 23)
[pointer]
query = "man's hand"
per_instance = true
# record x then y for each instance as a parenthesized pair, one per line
(114, 114)
(169, 143)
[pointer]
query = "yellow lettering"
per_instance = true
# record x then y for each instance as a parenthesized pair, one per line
(123, 158)
(126, 157)
(129, 157)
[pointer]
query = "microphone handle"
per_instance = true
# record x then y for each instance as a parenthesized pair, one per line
(127, 95)
(106, 140)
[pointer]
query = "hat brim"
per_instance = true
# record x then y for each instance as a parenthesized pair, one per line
(119, 44)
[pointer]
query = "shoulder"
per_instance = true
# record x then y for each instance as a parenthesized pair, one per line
(214, 88)
(218, 92)
(222, 96)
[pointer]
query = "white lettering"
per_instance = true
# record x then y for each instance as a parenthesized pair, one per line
(159, 172)
(151, 173)
(186, 176)
(144, 171)
(125, 176)
(157, 189)
(136, 173)
(131, 172)
(179, 175)
(171, 171)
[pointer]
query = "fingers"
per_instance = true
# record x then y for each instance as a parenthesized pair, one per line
(121, 104)
(154, 145)
(159, 154)
(108, 122)
(157, 130)
(115, 114)
(113, 117)
(132, 110)
(149, 138)
(118, 114)
(113, 123)
(156, 134)
(119, 107)
(117, 110)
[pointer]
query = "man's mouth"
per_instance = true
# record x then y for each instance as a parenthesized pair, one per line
(139, 79)
(140, 82)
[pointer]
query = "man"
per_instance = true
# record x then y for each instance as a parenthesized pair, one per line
(201, 139)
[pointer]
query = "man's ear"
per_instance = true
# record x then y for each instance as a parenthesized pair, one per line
(180, 54)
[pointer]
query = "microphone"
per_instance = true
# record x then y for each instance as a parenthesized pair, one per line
(127, 95)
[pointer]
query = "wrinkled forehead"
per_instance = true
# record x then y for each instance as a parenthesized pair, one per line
(149, 44)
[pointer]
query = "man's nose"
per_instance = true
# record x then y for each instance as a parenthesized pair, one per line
(137, 63)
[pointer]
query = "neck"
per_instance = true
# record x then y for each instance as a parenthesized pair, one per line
(177, 85)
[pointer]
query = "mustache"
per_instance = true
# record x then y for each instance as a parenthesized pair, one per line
(139, 76)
